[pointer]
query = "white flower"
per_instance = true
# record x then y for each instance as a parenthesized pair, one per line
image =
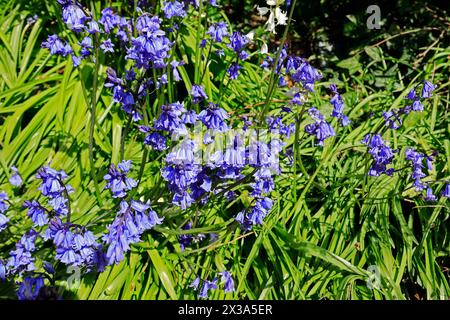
(250, 35)
(264, 49)
(280, 16)
(262, 11)
(276, 16)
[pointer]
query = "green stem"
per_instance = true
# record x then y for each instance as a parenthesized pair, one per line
(93, 120)
(197, 43)
(272, 74)
(122, 139)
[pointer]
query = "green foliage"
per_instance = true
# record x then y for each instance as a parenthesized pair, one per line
(330, 222)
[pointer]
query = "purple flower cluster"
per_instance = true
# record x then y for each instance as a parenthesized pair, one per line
(208, 285)
(20, 260)
(381, 153)
(117, 180)
(3, 207)
(54, 188)
(133, 219)
(393, 118)
(31, 288)
(338, 106)
(75, 246)
(320, 128)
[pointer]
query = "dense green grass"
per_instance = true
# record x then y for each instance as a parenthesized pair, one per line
(331, 224)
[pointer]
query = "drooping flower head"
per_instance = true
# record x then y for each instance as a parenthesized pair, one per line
(15, 179)
(320, 128)
(117, 180)
(198, 94)
(381, 153)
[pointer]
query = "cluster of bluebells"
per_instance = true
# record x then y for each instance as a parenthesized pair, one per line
(197, 171)
(381, 153)
(393, 118)
(3, 207)
(54, 188)
(205, 286)
(74, 244)
(417, 160)
(319, 128)
(338, 106)
(133, 218)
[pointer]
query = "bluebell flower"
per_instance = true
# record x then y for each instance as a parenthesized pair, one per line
(3, 207)
(130, 222)
(20, 259)
(243, 55)
(2, 270)
(263, 182)
(52, 181)
(185, 240)
(174, 65)
(182, 199)
(446, 191)
(297, 99)
(169, 119)
(430, 197)
(235, 155)
(107, 46)
(30, 288)
(195, 283)
(218, 31)
(156, 141)
(54, 188)
(233, 70)
(428, 88)
(86, 46)
(190, 117)
(259, 211)
(345, 121)
(381, 153)
(117, 180)
(214, 117)
(198, 94)
(3, 222)
(307, 75)
(256, 214)
(74, 17)
(36, 213)
(151, 48)
(15, 179)
(76, 61)
(416, 159)
(337, 102)
(320, 128)
(48, 267)
(392, 119)
(109, 20)
(93, 27)
(237, 42)
(173, 9)
(229, 283)
(258, 154)
(206, 287)
(56, 46)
